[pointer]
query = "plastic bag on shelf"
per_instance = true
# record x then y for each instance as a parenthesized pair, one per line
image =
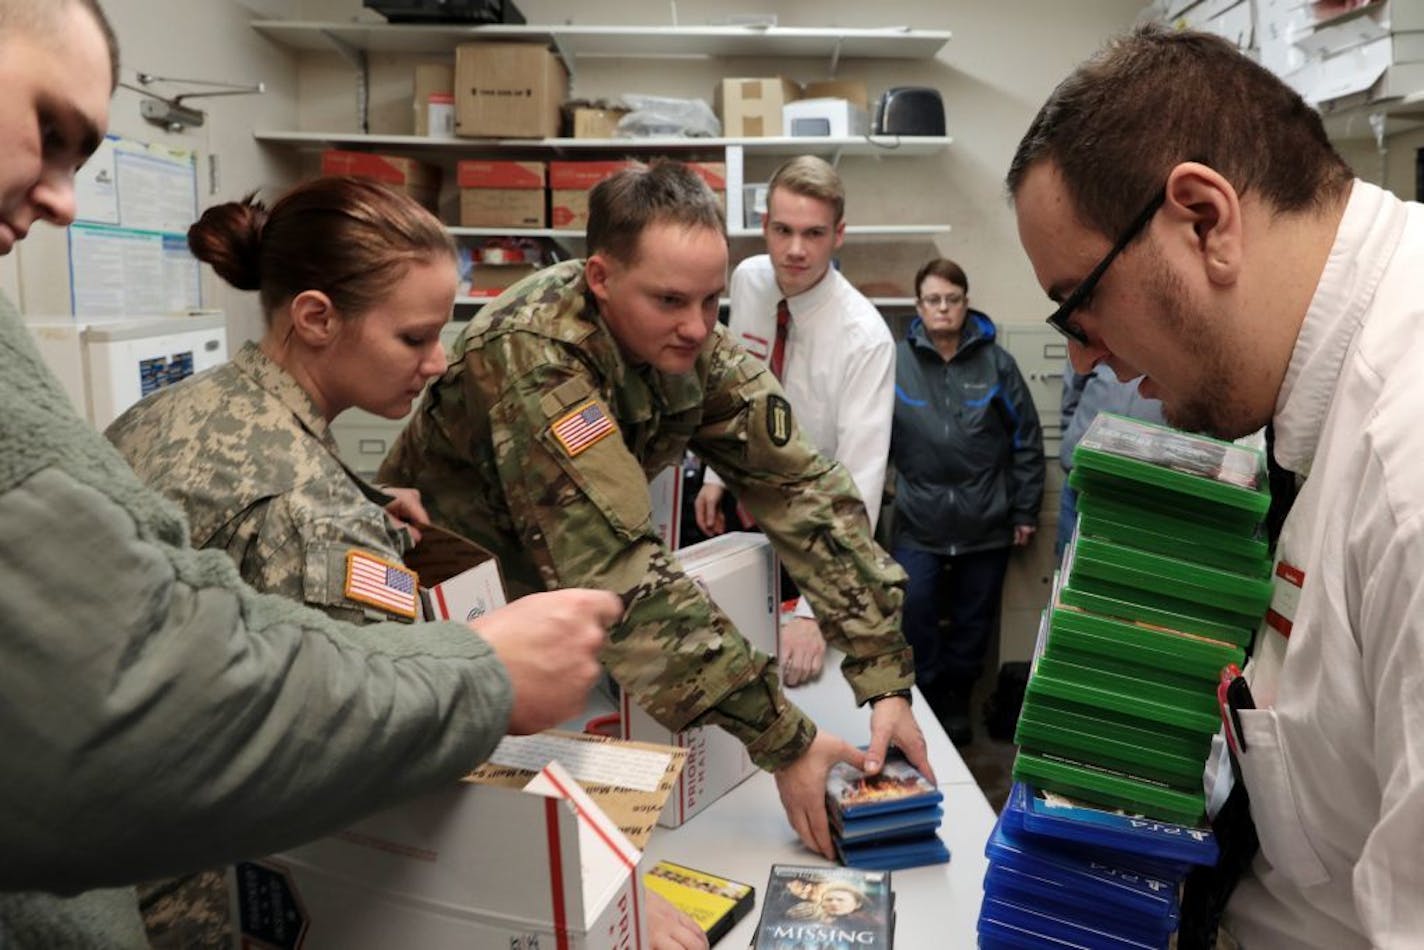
(662, 116)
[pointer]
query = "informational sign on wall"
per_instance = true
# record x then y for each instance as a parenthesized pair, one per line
(128, 248)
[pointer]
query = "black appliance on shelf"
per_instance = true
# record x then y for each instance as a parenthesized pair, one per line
(447, 11)
(909, 110)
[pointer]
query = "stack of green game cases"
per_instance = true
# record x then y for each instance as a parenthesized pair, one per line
(1163, 585)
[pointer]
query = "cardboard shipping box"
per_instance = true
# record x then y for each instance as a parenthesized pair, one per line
(569, 184)
(590, 123)
(418, 179)
(508, 90)
(501, 194)
(739, 572)
(434, 98)
(459, 580)
(751, 108)
(665, 495)
(517, 855)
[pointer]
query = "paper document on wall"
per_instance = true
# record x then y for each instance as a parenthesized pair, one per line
(128, 250)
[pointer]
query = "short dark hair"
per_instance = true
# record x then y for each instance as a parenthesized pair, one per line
(943, 268)
(1153, 98)
(622, 206)
(350, 238)
(42, 17)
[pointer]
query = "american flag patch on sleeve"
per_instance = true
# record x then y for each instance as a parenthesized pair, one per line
(581, 428)
(380, 583)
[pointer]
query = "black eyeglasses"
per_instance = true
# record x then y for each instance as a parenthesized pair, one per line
(1061, 318)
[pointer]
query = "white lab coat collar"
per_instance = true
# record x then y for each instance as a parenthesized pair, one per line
(1368, 233)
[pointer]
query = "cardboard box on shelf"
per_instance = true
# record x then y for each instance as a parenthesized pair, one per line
(751, 108)
(740, 574)
(592, 123)
(508, 90)
(434, 96)
(501, 194)
(569, 183)
(418, 179)
(491, 280)
(513, 856)
(850, 89)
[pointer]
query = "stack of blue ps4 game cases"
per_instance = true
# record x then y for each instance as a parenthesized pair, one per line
(1066, 874)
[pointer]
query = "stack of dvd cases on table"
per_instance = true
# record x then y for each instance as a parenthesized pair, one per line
(1162, 586)
(886, 821)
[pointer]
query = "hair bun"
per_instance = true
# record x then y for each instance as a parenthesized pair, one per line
(229, 237)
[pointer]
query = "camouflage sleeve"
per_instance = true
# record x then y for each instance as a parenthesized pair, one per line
(808, 506)
(300, 546)
(579, 499)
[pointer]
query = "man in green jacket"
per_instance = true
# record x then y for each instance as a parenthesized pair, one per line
(567, 392)
(157, 716)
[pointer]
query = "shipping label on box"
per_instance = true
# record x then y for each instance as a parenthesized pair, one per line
(492, 863)
(738, 571)
(751, 108)
(508, 90)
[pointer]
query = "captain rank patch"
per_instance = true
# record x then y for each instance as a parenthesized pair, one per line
(778, 420)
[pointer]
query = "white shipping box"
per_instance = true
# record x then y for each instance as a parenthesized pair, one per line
(665, 495)
(459, 580)
(484, 865)
(738, 571)
(834, 118)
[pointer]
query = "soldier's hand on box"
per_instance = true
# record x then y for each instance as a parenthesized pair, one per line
(671, 929)
(707, 507)
(802, 650)
(891, 721)
(802, 786)
(407, 510)
(549, 645)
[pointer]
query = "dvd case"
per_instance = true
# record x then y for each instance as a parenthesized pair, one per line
(850, 793)
(1159, 457)
(825, 908)
(1057, 816)
(714, 903)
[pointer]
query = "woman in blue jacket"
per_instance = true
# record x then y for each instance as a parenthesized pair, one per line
(969, 472)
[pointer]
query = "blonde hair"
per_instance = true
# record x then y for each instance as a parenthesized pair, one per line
(812, 177)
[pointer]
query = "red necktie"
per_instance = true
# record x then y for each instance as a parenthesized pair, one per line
(778, 349)
(778, 360)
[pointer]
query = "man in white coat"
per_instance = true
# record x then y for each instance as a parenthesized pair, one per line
(1186, 210)
(829, 347)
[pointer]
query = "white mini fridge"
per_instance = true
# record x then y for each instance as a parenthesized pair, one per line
(108, 364)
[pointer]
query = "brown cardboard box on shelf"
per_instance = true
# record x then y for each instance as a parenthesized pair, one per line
(419, 180)
(751, 108)
(596, 123)
(501, 194)
(508, 90)
(569, 184)
(851, 89)
(491, 280)
(433, 95)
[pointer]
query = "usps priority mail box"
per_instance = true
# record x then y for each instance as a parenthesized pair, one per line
(459, 580)
(483, 865)
(738, 571)
(665, 498)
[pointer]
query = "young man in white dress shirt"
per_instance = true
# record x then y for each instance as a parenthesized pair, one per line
(836, 360)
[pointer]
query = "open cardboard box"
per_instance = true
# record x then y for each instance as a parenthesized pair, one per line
(511, 857)
(738, 570)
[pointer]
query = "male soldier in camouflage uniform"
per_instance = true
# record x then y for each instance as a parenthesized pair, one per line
(566, 393)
